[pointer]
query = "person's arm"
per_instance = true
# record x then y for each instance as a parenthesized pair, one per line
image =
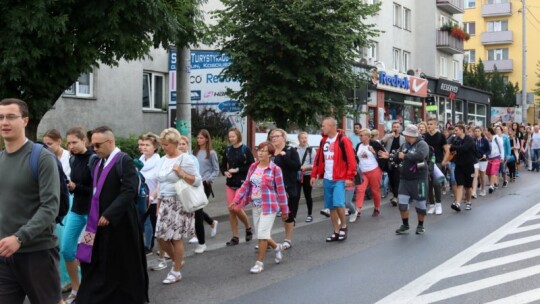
(224, 162)
(292, 159)
(81, 188)
(128, 191)
(215, 165)
(243, 168)
(187, 170)
(351, 159)
(421, 152)
(49, 196)
(280, 190)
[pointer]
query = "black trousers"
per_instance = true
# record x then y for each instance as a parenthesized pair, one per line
(307, 189)
(151, 212)
(393, 179)
(201, 217)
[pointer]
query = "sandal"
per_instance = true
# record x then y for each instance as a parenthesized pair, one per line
(334, 237)
(342, 234)
(234, 241)
(249, 234)
(172, 278)
(286, 245)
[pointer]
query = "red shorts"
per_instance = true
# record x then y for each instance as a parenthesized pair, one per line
(493, 166)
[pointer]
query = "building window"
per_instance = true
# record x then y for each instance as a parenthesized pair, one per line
(469, 4)
(469, 56)
(497, 1)
(406, 61)
(443, 69)
(497, 26)
(370, 52)
(153, 90)
(371, 1)
(476, 114)
(83, 87)
(407, 19)
(395, 59)
(498, 54)
(455, 70)
(397, 15)
(470, 28)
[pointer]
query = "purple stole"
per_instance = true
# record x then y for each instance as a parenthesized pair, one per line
(84, 251)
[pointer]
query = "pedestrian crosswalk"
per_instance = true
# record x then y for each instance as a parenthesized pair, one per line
(501, 268)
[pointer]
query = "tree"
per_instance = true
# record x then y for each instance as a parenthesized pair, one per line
(510, 92)
(482, 81)
(537, 84)
(497, 88)
(293, 59)
(45, 45)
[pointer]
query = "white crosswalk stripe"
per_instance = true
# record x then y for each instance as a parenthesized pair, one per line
(418, 291)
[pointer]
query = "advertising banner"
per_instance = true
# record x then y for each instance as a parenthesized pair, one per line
(502, 114)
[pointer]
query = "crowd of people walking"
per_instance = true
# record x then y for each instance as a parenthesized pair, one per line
(105, 237)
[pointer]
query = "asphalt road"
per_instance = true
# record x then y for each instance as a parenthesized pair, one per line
(487, 254)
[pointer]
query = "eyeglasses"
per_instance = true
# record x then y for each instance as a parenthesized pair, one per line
(98, 145)
(9, 117)
(275, 136)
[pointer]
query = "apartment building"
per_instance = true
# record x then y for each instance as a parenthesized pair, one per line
(496, 31)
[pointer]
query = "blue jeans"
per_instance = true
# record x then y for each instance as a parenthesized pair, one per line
(73, 227)
(535, 159)
(349, 194)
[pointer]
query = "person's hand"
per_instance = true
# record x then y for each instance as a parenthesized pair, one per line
(312, 181)
(227, 174)
(8, 246)
(349, 183)
(370, 148)
(401, 155)
(71, 186)
(284, 216)
(233, 170)
(232, 207)
(283, 153)
(384, 154)
(103, 222)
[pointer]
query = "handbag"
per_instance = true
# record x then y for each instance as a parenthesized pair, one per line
(192, 197)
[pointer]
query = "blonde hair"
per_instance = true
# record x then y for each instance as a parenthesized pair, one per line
(365, 131)
(302, 133)
(283, 133)
(375, 133)
(170, 135)
(184, 138)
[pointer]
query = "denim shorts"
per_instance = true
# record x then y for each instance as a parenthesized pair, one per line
(334, 194)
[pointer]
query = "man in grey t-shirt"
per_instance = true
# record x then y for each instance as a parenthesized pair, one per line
(28, 247)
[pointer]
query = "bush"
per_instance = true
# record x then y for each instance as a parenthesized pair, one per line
(129, 145)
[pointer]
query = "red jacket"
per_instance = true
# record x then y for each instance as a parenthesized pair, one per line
(343, 170)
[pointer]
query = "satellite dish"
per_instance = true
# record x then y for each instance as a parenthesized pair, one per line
(363, 61)
(410, 72)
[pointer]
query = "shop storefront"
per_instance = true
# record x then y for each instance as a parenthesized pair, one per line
(400, 98)
(451, 103)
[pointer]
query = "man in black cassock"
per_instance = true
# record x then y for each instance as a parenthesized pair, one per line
(115, 272)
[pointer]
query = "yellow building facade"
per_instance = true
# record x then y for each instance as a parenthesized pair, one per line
(496, 37)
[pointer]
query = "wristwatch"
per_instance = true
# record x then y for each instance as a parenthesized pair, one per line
(18, 239)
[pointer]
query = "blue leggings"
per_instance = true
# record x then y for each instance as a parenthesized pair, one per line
(73, 227)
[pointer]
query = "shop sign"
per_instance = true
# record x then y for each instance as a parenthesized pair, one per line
(400, 83)
(447, 88)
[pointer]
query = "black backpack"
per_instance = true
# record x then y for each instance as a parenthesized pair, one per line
(64, 191)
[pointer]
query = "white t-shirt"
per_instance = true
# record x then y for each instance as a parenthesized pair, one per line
(64, 159)
(368, 161)
(497, 149)
(328, 153)
(535, 143)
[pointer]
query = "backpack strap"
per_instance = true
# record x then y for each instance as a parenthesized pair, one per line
(34, 160)
(342, 147)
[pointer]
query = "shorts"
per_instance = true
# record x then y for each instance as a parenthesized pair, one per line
(334, 194)
(263, 223)
(293, 200)
(451, 169)
(476, 166)
(482, 166)
(464, 176)
(33, 274)
(493, 166)
(415, 189)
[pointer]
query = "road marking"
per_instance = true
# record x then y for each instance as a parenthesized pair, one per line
(524, 297)
(412, 292)
(496, 262)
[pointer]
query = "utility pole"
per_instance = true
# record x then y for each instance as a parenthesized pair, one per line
(183, 96)
(524, 64)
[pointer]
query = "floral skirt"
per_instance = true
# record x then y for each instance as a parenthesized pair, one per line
(173, 223)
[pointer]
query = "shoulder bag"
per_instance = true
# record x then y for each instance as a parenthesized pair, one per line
(192, 197)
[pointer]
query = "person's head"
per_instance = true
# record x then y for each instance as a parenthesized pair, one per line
(140, 144)
(505, 129)
(357, 128)
(375, 134)
(183, 145)
(411, 133)
(396, 127)
(511, 133)
(13, 119)
(329, 127)
(515, 126)
(88, 139)
(432, 125)
(365, 136)
(53, 139)
(498, 130)
(235, 136)
(451, 130)
(446, 133)
(460, 130)
(303, 138)
(150, 144)
(204, 142)
(76, 140)
(278, 138)
(422, 127)
(103, 141)
(489, 132)
(169, 140)
(478, 132)
(536, 128)
(265, 150)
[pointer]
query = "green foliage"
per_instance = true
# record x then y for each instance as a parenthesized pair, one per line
(294, 59)
(497, 88)
(210, 119)
(504, 95)
(129, 145)
(537, 84)
(45, 45)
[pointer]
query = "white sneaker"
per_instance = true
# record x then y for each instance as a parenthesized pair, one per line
(482, 193)
(431, 209)
(161, 264)
(279, 254)
(71, 298)
(258, 268)
(438, 208)
(353, 216)
(200, 248)
(214, 229)
(194, 240)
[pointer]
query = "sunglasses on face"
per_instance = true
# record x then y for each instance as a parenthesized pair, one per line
(98, 145)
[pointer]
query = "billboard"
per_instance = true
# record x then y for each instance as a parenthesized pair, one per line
(502, 114)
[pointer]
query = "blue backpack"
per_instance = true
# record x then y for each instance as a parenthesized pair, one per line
(64, 191)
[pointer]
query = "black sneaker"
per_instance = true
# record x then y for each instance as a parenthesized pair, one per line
(505, 183)
(148, 251)
(420, 230)
(491, 189)
(403, 229)
(456, 207)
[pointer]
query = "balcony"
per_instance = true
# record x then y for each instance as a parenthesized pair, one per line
(505, 65)
(449, 44)
(451, 6)
(502, 37)
(497, 10)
